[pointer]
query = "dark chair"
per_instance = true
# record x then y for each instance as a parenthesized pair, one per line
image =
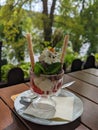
(15, 76)
(90, 62)
(76, 65)
(64, 67)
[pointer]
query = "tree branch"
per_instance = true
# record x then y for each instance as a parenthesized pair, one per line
(52, 11)
(45, 7)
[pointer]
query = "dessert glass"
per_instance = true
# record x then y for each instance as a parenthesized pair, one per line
(45, 86)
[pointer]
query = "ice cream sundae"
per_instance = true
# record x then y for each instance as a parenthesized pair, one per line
(46, 75)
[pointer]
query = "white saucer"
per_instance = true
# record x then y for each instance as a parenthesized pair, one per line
(20, 106)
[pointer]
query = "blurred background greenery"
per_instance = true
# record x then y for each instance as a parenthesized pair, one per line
(48, 21)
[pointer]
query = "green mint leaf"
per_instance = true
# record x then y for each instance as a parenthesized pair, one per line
(38, 68)
(53, 68)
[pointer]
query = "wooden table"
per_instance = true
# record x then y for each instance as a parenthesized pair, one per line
(83, 88)
(8, 120)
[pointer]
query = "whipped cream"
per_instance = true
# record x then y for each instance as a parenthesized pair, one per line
(49, 56)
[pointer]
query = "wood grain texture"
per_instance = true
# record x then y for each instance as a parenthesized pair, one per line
(86, 77)
(8, 121)
(7, 92)
(84, 89)
(90, 114)
(82, 127)
(92, 71)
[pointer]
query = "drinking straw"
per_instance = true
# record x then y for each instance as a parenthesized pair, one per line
(64, 48)
(30, 47)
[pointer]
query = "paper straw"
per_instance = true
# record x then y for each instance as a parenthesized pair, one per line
(64, 48)
(30, 47)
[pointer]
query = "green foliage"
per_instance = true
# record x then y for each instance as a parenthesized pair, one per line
(4, 71)
(69, 57)
(69, 21)
(13, 21)
(24, 66)
(80, 24)
(96, 57)
(90, 23)
(1, 32)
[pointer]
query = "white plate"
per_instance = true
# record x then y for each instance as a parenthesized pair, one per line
(20, 106)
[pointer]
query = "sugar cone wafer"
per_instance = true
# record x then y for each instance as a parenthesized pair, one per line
(64, 48)
(30, 47)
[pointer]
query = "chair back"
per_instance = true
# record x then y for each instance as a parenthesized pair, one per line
(15, 76)
(64, 67)
(90, 62)
(76, 65)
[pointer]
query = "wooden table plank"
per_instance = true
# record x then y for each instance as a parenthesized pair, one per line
(86, 77)
(84, 89)
(92, 71)
(90, 113)
(7, 92)
(82, 127)
(8, 121)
